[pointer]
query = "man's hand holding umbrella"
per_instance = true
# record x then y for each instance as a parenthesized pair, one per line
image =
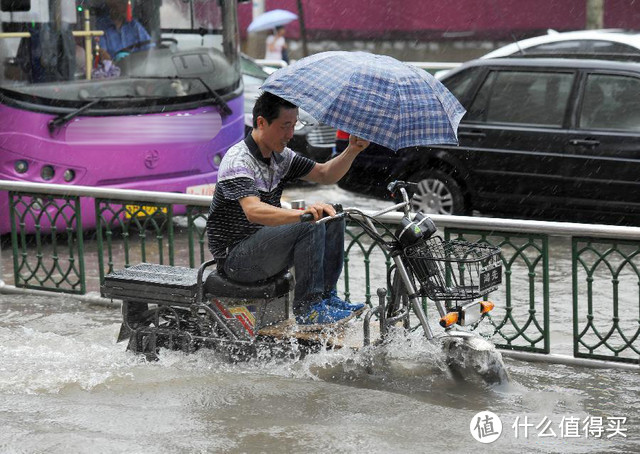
(358, 144)
(331, 171)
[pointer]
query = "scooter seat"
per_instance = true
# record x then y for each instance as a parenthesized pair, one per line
(219, 285)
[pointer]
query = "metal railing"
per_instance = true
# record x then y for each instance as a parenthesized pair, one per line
(51, 251)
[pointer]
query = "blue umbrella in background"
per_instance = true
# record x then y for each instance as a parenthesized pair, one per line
(271, 19)
(375, 97)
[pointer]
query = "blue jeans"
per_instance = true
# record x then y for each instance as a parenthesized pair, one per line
(316, 251)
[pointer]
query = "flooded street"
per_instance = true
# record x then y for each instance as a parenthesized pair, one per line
(67, 386)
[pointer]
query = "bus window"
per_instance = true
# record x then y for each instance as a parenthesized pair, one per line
(38, 48)
(102, 91)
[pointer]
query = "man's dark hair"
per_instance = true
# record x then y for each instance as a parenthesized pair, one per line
(268, 107)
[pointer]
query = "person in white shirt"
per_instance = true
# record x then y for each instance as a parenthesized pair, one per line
(276, 45)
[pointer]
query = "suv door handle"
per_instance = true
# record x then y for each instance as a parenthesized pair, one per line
(585, 142)
(472, 134)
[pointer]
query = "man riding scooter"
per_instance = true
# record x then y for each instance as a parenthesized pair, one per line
(253, 238)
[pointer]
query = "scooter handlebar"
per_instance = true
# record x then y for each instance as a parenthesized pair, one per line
(308, 217)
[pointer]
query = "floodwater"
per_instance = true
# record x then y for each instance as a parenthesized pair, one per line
(67, 386)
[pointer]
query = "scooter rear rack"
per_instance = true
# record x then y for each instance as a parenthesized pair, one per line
(185, 309)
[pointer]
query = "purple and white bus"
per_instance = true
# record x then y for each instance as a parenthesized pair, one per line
(157, 114)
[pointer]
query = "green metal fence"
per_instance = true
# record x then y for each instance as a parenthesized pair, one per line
(52, 258)
(148, 225)
(606, 328)
(51, 251)
(521, 322)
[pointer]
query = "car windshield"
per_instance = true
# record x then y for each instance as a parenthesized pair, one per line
(65, 52)
(252, 69)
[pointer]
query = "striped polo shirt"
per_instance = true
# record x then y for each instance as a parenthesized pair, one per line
(245, 172)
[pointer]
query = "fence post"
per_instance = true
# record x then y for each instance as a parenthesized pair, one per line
(2, 284)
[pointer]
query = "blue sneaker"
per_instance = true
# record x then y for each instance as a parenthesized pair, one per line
(334, 301)
(322, 314)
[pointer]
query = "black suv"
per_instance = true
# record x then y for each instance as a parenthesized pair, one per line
(550, 138)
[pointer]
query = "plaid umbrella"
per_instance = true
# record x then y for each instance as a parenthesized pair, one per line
(372, 96)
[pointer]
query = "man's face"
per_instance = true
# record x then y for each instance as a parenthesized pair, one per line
(277, 134)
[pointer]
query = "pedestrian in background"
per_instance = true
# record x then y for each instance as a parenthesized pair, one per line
(276, 48)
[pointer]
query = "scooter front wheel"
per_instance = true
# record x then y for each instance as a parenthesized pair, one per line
(470, 356)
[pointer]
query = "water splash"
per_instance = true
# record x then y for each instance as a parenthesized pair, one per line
(36, 362)
(472, 358)
(47, 351)
(406, 363)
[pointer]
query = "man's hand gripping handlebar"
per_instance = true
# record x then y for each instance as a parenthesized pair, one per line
(308, 217)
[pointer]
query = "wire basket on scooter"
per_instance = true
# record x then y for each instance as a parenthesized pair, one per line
(454, 269)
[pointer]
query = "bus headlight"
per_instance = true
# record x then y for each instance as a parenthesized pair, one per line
(21, 166)
(47, 173)
(69, 175)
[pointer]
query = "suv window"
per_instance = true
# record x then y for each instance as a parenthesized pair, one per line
(611, 102)
(459, 83)
(536, 98)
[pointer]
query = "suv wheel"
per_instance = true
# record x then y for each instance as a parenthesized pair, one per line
(438, 193)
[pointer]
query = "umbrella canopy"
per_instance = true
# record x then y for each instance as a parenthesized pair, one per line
(271, 19)
(372, 96)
